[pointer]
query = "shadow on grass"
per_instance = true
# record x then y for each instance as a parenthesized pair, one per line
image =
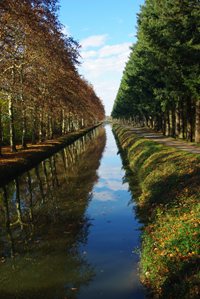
(184, 283)
(168, 194)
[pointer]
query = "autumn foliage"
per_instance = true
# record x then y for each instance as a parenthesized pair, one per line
(42, 94)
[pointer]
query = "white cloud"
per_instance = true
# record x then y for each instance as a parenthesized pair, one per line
(114, 50)
(108, 51)
(96, 67)
(104, 67)
(88, 54)
(94, 41)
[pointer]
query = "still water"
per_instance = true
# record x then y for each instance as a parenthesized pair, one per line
(68, 229)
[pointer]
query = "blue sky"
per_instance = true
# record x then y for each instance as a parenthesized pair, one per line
(105, 29)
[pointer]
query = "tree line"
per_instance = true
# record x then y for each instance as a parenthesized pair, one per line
(41, 92)
(160, 87)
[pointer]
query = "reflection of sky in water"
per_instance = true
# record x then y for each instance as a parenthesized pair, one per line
(114, 232)
(112, 184)
(110, 172)
(104, 196)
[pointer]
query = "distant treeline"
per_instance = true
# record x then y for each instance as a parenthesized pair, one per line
(160, 87)
(41, 91)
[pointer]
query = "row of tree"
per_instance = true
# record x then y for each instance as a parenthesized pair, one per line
(161, 81)
(41, 91)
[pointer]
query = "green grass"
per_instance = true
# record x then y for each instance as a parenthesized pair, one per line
(169, 208)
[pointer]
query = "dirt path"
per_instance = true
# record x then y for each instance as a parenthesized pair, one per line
(181, 145)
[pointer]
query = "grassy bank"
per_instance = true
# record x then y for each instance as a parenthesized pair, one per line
(13, 164)
(169, 208)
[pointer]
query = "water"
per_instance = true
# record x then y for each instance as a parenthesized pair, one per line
(70, 231)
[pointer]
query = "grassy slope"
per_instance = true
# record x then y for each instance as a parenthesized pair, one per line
(169, 208)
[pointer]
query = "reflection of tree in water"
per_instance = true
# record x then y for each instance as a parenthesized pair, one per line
(46, 222)
(131, 178)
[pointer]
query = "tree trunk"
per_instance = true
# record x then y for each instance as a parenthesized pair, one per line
(63, 121)
(24, 130)
(60, 123)
(68, 125)
(82, 123)
(0, 133)
(34, 124)
(47, 126)
(178, 120)
(40, 128)
(171, 127)
(164, 124)
(150, 122)
(189, 120)
(167, 124)
(11, 123)
(137, 120)
(181, 134)
(160, 121)
(197, 124)
(50, 127)
(156, 123)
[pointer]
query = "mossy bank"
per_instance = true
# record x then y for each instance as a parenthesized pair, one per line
(169, 208)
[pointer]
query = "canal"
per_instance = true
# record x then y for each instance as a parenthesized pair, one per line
(68, 229)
